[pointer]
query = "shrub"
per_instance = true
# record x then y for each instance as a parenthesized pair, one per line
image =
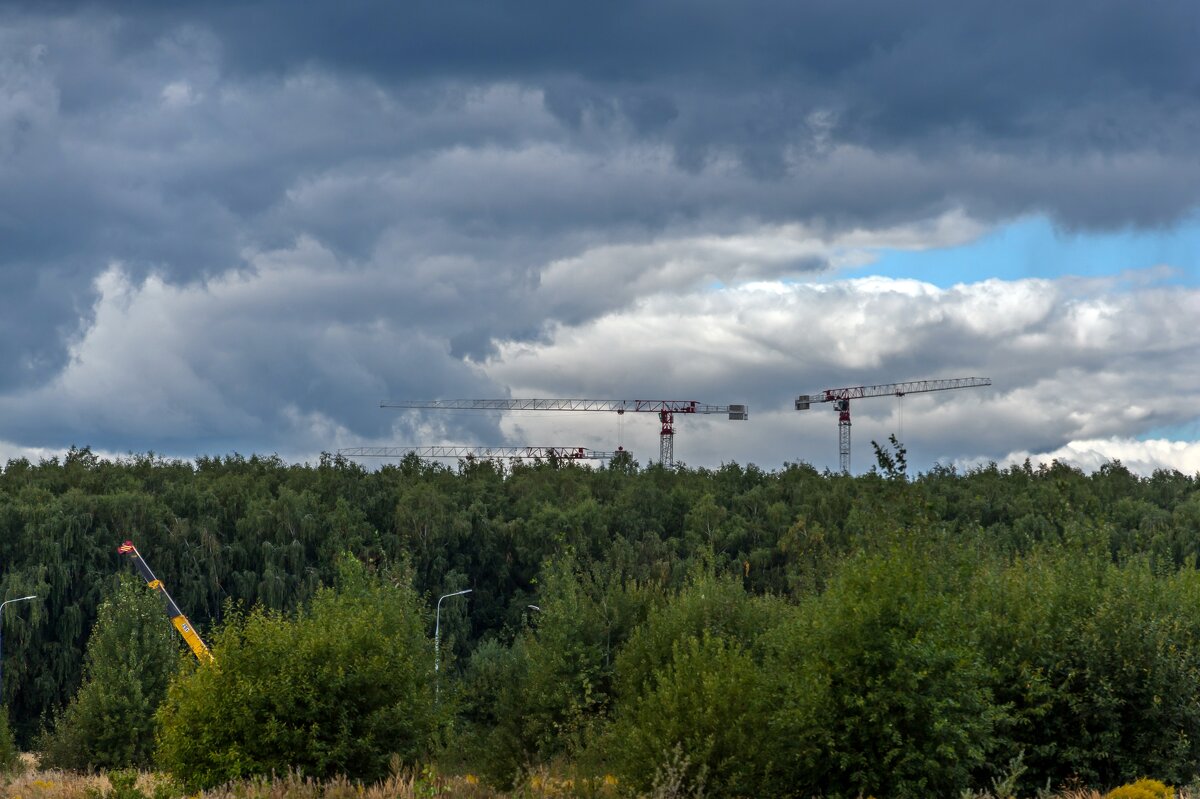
(688, 688)
(1099, 665)
(570, 654)
(549, 694)
(131, 654)
(492, 708)
(878, 686)
(10, 757)
(1142, 789)
(700, 716)
(708, 604)
(337, 689)
(123, 785)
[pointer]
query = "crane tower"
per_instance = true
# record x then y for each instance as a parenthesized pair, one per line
(510, 453)
(666, 410)
(840, 397)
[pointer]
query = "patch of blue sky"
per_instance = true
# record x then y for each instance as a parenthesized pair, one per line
(1033, 248)
(1188, 431)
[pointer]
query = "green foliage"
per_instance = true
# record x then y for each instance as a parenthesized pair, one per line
(707, 605)
(1072, 600)
(123, 785)
(686, 681)
(893, 463)
(10, 756)
(337, 688)
(879, 687)
(131, 654)
(571, 649)
(706, 703)
(558, 684)
(1098, 663)
(492, 691)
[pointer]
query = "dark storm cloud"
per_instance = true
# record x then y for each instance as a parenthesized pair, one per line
(933, 73)
(489, 170)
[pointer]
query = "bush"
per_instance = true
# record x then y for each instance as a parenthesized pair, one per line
(549, 694)
(708, 604)
(1099, 665)
(123, 785)
(1142, 789)
(491, 697)
(131, 654)
(878, 686)
(10, 757)
(337, 689)
(701, 715)
(688, 688)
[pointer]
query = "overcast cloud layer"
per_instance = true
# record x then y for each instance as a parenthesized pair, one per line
(240, 227)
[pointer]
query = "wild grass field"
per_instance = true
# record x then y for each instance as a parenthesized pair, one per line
(35, 784)
(542, 784)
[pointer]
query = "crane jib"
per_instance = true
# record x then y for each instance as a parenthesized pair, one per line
(738, 411)
(666, 410)
(469, 452)
(889, 390)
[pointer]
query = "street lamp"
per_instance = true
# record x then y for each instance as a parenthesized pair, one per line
(437, 640)
(2, 604)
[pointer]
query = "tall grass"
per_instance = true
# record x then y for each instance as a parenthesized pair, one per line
(540, 784)
(33, 784)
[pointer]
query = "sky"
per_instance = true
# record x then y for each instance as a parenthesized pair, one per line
(240, 226)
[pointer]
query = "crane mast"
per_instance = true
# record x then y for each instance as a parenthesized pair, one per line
(513, 453)
(840, 397)
(173, 612)
(666, 410)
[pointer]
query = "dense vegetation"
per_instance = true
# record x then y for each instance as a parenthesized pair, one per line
(130, 657)
(765, 633)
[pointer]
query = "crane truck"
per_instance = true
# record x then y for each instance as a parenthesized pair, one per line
(173, 612)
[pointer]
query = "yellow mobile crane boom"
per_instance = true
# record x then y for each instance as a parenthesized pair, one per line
(176, 615)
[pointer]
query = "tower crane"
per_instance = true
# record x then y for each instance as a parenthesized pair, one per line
(513, 453)
(840, 397)
(666, 410)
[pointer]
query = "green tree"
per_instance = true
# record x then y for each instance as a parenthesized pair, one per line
(1099, 665)
(131, 654)
(553, 687)
(9, 756)
(586, 615)
(338, 688)
(879, 685)
(708, 605)
(707, 705)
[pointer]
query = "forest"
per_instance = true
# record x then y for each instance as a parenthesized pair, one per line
(734, 630)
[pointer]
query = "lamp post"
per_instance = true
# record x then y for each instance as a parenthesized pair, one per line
(2, 604)
(437, 640)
